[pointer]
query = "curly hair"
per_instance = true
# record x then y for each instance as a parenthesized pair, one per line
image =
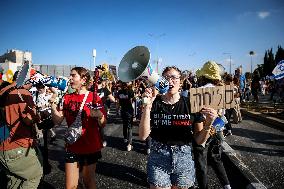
(168, 68)
(83, 72)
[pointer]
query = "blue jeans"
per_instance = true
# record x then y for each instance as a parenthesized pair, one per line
(170, 165)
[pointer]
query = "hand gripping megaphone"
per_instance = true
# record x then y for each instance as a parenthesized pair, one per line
(135, 64)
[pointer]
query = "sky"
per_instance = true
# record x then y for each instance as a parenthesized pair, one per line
(184, 33)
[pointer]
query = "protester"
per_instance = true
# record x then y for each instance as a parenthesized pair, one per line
(41, 100)
(104, 94)
(86, 151)
(19, 154)
(125, 97)
(186, 85)
(228, 80)
(172, 127)
(237, 116)
(255, 86)
(210, 151)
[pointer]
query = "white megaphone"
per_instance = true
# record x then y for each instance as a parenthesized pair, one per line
(135, 64)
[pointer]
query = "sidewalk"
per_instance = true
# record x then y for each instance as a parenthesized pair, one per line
(266, 110)
(266, 106)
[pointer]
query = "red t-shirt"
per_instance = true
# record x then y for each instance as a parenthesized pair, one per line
(90, 141)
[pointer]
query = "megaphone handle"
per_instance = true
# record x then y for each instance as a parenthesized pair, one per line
(95, 85)
(145, 100)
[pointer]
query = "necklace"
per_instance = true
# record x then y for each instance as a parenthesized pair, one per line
(174, 99)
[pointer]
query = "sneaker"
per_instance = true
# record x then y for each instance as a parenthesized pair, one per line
(125, 140)
(148, 151)
(104, 143)
(229, 132)
(129, 147)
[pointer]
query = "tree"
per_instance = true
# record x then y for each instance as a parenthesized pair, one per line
(268, 62)
(260, 70)
(279, 55)
(271, 62)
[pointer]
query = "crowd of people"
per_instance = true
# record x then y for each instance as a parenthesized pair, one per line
(179, 143)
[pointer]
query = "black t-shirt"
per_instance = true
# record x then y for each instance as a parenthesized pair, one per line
(103, 93)
(173, 123)
(125, 96)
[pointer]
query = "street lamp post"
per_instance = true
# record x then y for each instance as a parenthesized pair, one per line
(94, 57)
(251, 53)
(230, 62)
(157, 37)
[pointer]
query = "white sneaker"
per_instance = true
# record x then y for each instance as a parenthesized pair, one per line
(104, 143)
(227, 187)
(148, 151)
(125, 140)
(129, 147)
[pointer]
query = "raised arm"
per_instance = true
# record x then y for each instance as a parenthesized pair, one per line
(144, 127)
(57, 115)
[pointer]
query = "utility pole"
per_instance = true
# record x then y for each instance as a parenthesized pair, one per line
(251, 53)
(157, 37)
(94, 58)
(230, 62)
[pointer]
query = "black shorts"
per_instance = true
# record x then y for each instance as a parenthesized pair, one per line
(83, 159)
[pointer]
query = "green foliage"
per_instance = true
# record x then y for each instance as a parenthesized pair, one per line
(279, 55)
(268, 62)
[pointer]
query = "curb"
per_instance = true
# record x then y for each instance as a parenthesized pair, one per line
(249, 181)
(268, 120)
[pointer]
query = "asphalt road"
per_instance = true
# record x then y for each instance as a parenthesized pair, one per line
(260, 147)
(118, 169)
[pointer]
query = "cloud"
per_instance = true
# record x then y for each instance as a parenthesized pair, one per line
(263, 14)
(260, 15)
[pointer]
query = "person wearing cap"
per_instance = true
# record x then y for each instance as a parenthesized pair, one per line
(167, 119)
(209, 76)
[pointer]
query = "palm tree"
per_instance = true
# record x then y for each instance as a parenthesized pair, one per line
(251, 53)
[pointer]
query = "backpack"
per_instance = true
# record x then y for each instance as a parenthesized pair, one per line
(4, 127)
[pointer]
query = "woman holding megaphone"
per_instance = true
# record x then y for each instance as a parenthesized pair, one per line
(84, 150)
(168, 121)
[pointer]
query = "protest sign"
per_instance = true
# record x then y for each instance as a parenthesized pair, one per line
(215, 97)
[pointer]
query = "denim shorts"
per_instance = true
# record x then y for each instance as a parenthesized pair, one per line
(170, 165)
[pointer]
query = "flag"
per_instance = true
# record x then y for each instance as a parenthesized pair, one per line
(278, 71)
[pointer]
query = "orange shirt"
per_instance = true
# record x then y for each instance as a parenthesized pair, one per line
(17, 107)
